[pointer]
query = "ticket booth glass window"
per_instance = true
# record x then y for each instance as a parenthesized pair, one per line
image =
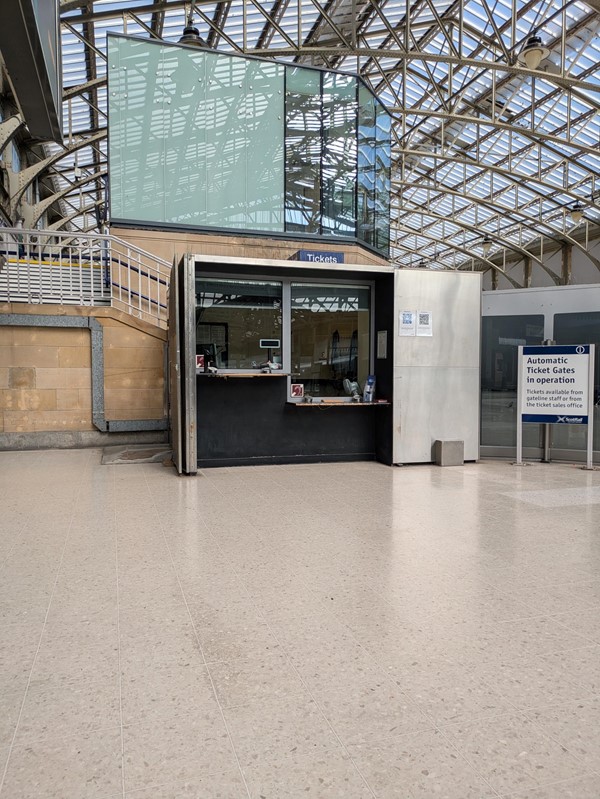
(234, 318)
(330, 337)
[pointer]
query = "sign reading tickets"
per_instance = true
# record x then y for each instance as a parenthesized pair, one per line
(555, 384)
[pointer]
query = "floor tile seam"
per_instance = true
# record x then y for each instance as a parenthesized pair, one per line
(17, 540)
(584, 648)
(378, 666)
(519, 792)
(133, 792)
(568, 678)
(65, 736)
(348, 630)
(510, 596)
(530, 716)
(583, 643)
(213, 686)
(464, 758)
(586, 695)
(120, 678)
(20, 536)
(556, 618)
(525, 715)
(317, 704)
(320, 709)
(485, 716)
(63, 549)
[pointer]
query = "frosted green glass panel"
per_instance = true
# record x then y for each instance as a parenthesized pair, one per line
(366, 166)
(136, 138)
(383, 132)
(303, 150)
(202, 139)
(196, 138)
(339, 154)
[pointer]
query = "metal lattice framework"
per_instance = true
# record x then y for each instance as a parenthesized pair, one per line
(484, 148)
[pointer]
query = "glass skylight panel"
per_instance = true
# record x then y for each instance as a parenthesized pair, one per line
(417, 197)
(414, 91)
(455, 173)
(588, 138)
(480, 188)
(462, 139)
(443, 205)
(114, 5)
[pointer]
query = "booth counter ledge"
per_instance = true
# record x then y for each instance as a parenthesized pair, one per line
(226, 375)
(340, 404)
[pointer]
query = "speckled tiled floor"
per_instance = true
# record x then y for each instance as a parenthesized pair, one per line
(319, 631)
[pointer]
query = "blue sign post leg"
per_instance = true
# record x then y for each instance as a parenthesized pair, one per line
(590, 426)
(519, 419)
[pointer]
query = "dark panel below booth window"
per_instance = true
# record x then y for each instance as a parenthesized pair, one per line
(248, 421)
(383, 367)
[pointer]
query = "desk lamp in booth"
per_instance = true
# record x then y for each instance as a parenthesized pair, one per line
(352, 389)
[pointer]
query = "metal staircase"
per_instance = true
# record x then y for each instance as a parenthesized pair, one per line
(50, 267)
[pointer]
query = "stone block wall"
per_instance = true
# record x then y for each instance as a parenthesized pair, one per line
(45, 379)
(46, 372)
(134, 372)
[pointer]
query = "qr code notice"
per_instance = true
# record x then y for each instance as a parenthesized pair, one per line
(407, 318)
(423, 318)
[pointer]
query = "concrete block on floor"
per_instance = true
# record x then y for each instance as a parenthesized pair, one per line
(449, 453)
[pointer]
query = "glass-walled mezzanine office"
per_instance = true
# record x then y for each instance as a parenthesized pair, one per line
(206, 140)
(507, 324)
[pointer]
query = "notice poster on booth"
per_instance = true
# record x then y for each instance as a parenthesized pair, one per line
(555, 384)
(424, 323)
(407, 323)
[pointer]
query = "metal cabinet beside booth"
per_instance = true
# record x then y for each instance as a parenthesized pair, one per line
(437, 375)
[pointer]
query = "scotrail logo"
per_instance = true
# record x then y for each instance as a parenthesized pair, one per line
(569, 419)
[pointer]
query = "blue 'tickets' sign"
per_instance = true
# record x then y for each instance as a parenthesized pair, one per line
(320, 257)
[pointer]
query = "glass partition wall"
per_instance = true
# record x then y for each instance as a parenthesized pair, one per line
(501, 337)
(579, 328)
(330, 337)
(319, 334)
(233, 319)
(201, 139)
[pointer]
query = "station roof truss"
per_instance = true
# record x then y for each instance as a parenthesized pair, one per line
(483, 147)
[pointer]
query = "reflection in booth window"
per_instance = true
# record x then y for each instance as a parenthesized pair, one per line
(234, 319)
(330, 337)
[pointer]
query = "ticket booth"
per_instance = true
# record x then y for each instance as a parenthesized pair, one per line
(284, 356)
(288, 362)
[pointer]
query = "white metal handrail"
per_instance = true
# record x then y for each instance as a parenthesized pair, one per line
(46, 266)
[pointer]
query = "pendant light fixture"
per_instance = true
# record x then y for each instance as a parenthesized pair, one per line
(534, 52)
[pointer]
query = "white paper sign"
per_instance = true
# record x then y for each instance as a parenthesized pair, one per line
(407, 323)
(382, 343)
(424, 323)
(555, 384)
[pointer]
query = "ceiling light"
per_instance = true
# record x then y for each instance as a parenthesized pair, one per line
(534, 52)
(486, 246)
(191, 34)
(577, 213)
